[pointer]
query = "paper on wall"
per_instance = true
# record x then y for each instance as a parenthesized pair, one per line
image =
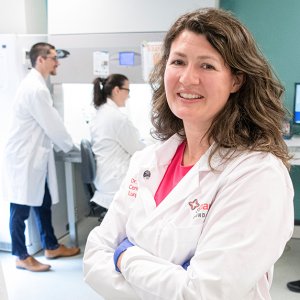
(101, 63)
(150, 56)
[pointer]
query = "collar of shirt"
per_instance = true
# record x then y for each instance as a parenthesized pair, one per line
(38, 75)
(111, 103)
(166, 151)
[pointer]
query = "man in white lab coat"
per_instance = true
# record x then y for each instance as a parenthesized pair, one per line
(29, 175)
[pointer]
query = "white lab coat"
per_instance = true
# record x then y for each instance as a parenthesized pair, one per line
(232, 246)
(114, 141)
(28, 154)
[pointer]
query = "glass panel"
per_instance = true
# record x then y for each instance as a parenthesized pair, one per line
(138, 108)
(78, 109)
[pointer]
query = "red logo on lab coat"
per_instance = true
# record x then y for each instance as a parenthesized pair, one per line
(201, 210)
(194, 204)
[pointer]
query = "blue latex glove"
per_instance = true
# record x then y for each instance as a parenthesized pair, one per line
(120, 249)
(186, 264)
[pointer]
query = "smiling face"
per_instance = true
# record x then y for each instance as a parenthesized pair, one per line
(197, 81)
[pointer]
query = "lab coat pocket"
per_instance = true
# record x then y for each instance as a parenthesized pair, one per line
(41, 159)
(178, 244)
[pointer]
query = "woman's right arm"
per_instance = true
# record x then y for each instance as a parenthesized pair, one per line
(98, 264)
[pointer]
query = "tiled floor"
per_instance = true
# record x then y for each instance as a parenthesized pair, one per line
(65, 281)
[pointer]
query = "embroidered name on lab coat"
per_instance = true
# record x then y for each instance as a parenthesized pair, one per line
(132, 188)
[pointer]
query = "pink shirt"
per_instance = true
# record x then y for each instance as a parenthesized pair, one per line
(175, 172)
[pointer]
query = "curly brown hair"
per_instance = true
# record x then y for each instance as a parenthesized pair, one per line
(252, 117)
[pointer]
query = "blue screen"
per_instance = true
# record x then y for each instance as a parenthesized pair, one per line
(297, 103)
(126, 58)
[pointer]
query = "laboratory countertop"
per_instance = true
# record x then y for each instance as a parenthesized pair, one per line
(294, 142)
(69, 159)
(294, 149)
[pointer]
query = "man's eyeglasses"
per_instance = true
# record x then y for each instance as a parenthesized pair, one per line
(125, 89)
(54, 58)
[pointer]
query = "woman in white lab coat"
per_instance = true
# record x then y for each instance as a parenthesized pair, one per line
(114, 138)
(205, 213)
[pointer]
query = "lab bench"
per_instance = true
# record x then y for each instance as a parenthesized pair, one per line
(77, 206)
(294, 148)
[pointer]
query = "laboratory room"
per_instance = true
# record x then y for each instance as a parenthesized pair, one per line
(108, 187)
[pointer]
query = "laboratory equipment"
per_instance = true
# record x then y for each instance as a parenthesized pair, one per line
(297, 104)
(121, 53)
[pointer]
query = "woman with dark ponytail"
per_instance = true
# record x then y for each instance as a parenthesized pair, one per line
(114, 138)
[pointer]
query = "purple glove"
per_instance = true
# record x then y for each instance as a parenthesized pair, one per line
(186, 264)
(120, 249)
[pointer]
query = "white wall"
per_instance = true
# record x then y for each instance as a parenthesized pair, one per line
(23, 16)
(107, 16)
(12, 16)
(36, 16)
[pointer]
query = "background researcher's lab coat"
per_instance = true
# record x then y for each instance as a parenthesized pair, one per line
(114, 141)
(28, 154)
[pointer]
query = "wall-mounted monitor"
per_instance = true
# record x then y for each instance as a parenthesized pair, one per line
(297, 104)
(126, 58)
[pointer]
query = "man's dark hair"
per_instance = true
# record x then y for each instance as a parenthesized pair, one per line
(39, 49)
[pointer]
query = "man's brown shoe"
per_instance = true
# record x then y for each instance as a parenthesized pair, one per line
(61, 251)
(31, 264)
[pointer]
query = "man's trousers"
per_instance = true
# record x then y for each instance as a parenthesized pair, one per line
(19, 213)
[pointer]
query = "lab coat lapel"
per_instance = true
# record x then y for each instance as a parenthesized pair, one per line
(148, 185)
(189, 183)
